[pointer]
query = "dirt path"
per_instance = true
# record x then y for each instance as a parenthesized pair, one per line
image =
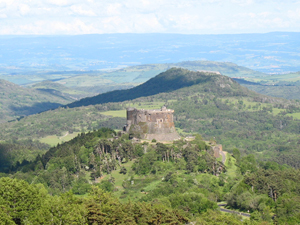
(233, 212)
(65, 135)
(223, 156)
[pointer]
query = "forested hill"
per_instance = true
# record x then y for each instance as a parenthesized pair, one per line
(171, 80)
(18, 101)
(209, 104)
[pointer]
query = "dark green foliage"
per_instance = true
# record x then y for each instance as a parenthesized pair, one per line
(19, 199)
(248, 164)
(145, 163)
(22, 203)
(106, 186)
(123, 170)
(236, 154)
(14, 153)
(104, 209)
(192, 202)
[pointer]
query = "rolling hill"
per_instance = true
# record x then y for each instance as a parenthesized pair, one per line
(172, 79)
(209, 104)
(17, 101)
(54, 88)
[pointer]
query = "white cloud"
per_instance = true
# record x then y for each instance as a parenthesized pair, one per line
(24, 9)
(114, 9)
(243, 2)
(59, 2)
(294, 14)
(79, 10)
(116, 16)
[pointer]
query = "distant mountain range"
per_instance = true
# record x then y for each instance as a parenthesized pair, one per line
(103, 81)
(73, 86)
(271, 52)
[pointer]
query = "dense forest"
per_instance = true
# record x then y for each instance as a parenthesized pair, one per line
(104, 177)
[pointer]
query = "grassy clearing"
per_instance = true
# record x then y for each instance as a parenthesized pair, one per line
(295, 115)
(146, 105)
(119, 178)
(181, 132)
(53, 140)
(116, 113)
(140, 186)
(241, 216)
(276, 111)
(230, 165)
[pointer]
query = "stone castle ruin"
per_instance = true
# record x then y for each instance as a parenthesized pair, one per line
(151, 124)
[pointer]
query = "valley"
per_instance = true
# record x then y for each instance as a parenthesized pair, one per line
(149, 112)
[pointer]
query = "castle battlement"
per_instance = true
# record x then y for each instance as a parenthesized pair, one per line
(151, 124)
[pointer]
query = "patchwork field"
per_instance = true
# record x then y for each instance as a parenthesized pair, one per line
(53, 140)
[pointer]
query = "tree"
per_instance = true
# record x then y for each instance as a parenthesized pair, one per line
(236, 154)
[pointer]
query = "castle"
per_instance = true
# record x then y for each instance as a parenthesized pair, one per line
(151, 124)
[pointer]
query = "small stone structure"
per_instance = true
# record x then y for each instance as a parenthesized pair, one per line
(151, 124)
(217, 149)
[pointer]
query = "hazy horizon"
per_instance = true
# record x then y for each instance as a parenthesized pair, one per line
(71, 17)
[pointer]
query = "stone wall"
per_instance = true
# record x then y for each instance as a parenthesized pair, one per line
(151, 124)
(217, 149)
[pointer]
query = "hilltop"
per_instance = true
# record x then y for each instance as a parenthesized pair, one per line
(95, 81)
(171, 80)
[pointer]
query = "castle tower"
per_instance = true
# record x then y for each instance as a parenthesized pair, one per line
(151, 124)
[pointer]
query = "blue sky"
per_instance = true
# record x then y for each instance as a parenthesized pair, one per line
(57, 17)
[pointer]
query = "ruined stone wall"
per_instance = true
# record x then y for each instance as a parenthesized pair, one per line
(217, 149)
(154, 122)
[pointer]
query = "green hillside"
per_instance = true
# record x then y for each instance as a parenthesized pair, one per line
(17, 101)
(156, 183)
(209, 104)
(59, 89)
(135, 75)
(259, 134)
(168, 81)
(287, 92)
(283, 85)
